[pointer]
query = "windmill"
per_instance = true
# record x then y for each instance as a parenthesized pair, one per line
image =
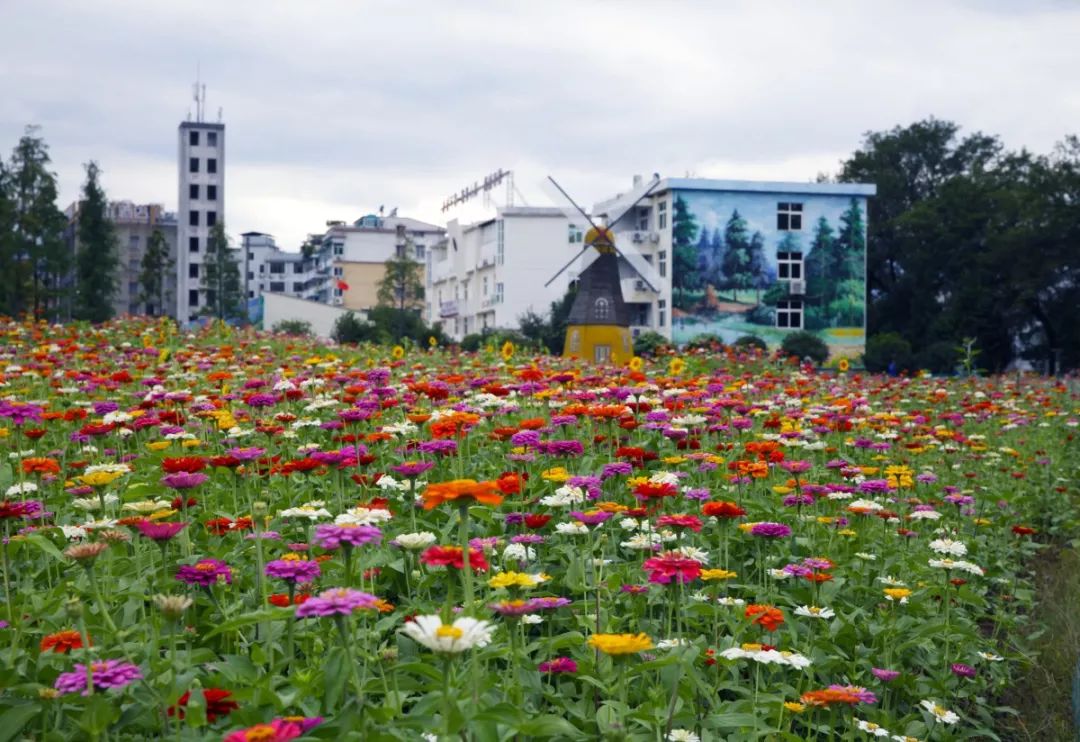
(599, 323)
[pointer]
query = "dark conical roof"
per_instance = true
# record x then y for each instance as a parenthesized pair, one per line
(599, 298)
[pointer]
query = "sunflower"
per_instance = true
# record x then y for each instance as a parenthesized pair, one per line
(507, 351)
(636, 364)
(398, 352)
(843, 365)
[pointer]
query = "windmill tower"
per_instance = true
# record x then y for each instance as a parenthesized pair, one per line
(598, 330)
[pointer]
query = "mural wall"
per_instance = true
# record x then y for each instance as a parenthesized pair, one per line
(767, 263)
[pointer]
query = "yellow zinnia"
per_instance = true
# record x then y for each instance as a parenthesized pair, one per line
(717, 574)
(620, 643)
(100, 478)
(512, 579)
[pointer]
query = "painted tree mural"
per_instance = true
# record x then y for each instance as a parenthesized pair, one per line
(686, 277)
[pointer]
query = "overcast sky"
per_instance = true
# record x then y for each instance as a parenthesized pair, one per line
(333, 108)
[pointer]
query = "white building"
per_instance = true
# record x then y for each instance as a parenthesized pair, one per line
(486, 275)
(201, 206)
(267, 268)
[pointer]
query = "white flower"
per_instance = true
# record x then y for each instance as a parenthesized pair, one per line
(766, 656)
(779, 574)
(865, 505)
(730, 601)
(147, 506)
(572, 529)
(416, 541)
(464, 633)
(866, 556)
(387, 482)
(874, 730)
(628, 524)
(110, 468)
(311, 511)
(73, 532)
(891, 581)
(360, 516)
(812, 611)
(642, 541)
(690, 552)
(682, 735)
(563, 497)
(991, 657)
(532, 619)
(24, 488)
(92, 503)
(519, 553)
(117, 416)
(672, 643)
(957, 564)
(940, 713)
(948, 546)
(925, 515)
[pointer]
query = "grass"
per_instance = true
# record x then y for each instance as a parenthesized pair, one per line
(1043, 695)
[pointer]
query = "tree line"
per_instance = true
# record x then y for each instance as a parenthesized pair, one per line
(968, 240)
(62, 269)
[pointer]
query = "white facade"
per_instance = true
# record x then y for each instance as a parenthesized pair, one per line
(267, 268)
(201, 205)
(486, 275)
(321, 317)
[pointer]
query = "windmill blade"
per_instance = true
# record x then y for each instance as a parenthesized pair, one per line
(620, 208)
(642, 267)
(561, 198)
(574, 260)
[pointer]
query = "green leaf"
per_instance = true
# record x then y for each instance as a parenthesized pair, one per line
(45, 545)
(550, 725)
(731, 721)
(336, 675)
(249, 619)
(14, 719)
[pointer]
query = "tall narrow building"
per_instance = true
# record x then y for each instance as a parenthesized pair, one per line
(202, 205)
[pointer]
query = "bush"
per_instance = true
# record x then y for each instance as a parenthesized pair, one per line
(649, 343)
(804, 344)
(472, 342)
(746, 342)
(762, 315)
(351, 329)
(885, 348)
(941, 357)
(706, 340)
(296, 327)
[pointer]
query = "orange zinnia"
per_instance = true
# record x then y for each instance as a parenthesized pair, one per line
(62, 642)
(767, 616)
(40, 465)
(486, 493)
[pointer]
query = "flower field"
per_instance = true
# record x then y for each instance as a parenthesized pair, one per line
(244, 537)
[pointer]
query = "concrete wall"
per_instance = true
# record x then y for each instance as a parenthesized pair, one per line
(321, 317)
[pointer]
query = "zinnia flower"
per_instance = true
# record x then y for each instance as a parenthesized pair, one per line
(106, 674)
(487, 493)
(62, 642)
(216, 701)
(617, 644)
(770, 530)
(336, 602)
(451, 556)
(765, 616)
(159, 531)
(205, 572)
(296, 571)
(558, 665)
(333, 535)
(672, 564)
(465, 633)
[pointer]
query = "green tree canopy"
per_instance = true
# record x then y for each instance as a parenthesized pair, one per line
(221, 277)
(96, 257)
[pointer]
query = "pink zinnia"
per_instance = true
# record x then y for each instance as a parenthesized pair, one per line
(183, 480)
(106, 674)
(412, 469)
(297, 571)
(332, 536)
(665, 566)
(680, 521)
(885, 676)
(336, 602)
(770, 530)
(246, 454)
(159, 531)
(278, 730)
(557, 665)
(205, 572)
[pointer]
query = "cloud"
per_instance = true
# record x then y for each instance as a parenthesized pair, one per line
(333, 108)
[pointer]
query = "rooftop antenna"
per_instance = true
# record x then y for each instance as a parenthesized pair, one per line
(199, 90)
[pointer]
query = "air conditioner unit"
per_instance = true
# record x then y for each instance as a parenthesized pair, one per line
(654, 237)
(797, 287)
(639, 285)
(638, 237)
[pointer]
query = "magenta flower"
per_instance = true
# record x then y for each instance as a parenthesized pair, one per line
(106, 674)
(296, 571)
(412, 469)
(859, 692)
(246, 454)
(183, 480)
(558, 665)
(205, 572)
(885, 676)
(547, 604)
(159, 532)
(592, 518)
(961, 670)
(337, 602)
(770, 530)
(334, 535)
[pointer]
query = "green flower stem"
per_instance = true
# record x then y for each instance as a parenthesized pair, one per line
(466, 564)
(343, 631)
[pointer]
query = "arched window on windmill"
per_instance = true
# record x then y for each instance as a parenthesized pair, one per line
(602, 308)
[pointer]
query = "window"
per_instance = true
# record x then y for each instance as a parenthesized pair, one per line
(193, 218)
(601, 353)
(602, 308)
(193, 244)
(278, 286)
(251, 276)
(661, 314)
(662, 257)
(485, 285)
(193, 270)
(211, 193)
(574, 235)
(499, 288)
(262, 268)
(339, 249)
(193, 138)
(789, 265)
(297, 287)
(661, 215)
(211, 139)
(338, 292)
(788, 216)
(193, 191)
(251, 294)
(642, 224)
(789, 313)
(339, 272)
(419, 251)
(193, 297)
(133, 243)
(193, 165)
(277, 267)
(211, 165)
(297, 268)
(211, 218)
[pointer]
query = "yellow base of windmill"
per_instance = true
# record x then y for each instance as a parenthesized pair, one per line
(599, 343)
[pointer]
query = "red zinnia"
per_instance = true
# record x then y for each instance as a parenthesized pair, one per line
(451, 556)
(680, 521)
(536, 521)
(722, 509)
(647, 490)
(186, 464)
(672, 564)
(217, 703)
(62, 642)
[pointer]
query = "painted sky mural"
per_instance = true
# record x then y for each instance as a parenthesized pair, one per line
(766, 263)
